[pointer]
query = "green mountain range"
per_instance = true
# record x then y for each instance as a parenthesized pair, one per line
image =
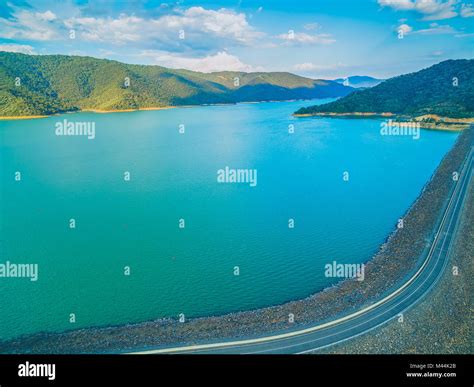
(48, 84)
(445, 89)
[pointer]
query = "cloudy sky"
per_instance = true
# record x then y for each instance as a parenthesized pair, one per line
(314, 38)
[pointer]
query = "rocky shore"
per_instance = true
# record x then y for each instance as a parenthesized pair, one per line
(427, 121)
(397, 258)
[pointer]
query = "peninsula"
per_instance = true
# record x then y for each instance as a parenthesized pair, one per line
(438, 97)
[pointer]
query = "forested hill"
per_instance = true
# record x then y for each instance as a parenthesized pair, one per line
(48, 84)
(445, 89)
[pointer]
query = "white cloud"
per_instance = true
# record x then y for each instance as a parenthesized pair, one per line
(405, 29)
(221, 61)
(45, 16)
(120, 30)
(436, 10)
(397, 4)
(308, 67)
(29, 25)
(222, 23)
(467, 10)
(312, 26)
(430, 9)
(434, 29)
(303, 38)
(22, 48)
(202, 28)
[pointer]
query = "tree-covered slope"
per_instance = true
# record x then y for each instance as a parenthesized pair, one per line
(445, 89)
(47, 84)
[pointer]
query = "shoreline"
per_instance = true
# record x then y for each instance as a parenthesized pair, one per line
(395, 259)
(351, 114)
(124, 110)
(426, 121)
(8, 118)
(101, 111)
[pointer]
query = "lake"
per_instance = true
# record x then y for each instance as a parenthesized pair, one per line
(156, 235)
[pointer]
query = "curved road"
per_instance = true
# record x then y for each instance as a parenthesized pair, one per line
(368, 318)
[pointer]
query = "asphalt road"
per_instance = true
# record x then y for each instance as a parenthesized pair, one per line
(368, 318)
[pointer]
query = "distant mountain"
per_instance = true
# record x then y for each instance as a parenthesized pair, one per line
(358, 81)
(48, 84)
(445, 89)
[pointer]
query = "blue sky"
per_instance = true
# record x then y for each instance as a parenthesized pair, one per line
(313, 38)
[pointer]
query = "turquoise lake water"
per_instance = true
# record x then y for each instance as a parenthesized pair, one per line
(135, 223)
